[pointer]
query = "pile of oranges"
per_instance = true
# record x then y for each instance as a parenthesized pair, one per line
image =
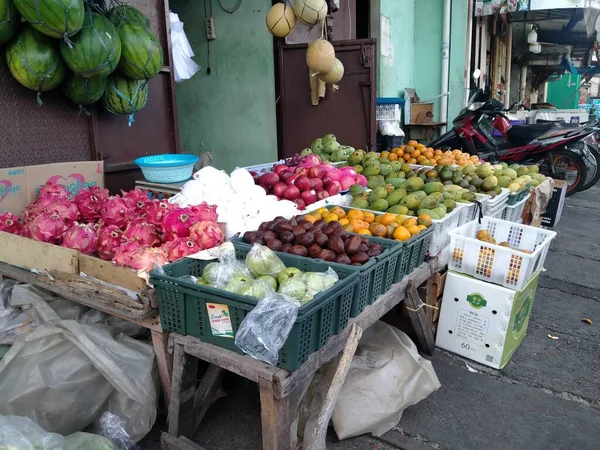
(415, 153)
(387, 225)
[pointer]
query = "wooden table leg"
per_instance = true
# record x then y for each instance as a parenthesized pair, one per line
(206, 392)
(183, 388)
(164, 362)
(418, 318)
(274, 417)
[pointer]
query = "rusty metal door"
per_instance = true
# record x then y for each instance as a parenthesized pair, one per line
(348, 113)
(155, 129)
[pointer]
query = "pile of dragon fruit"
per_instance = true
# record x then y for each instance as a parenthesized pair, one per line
(129, 229)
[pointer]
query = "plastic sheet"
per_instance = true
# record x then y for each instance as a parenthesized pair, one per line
(185, 67)
(13, 322)
(265, 329)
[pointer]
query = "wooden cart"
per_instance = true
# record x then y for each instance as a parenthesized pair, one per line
(190, 399)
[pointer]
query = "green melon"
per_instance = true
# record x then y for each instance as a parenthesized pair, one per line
(141, 53)
(9, 20)
(124, 95)
(127, 14)
(34, 60)
(83, 91)
(94, 51)
(54, 18)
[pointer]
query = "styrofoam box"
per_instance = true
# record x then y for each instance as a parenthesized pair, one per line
(482, 321)
(509, 266)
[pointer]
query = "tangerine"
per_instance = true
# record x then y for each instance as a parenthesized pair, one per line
(410, 222)
(331, 218)
(401, 233)
(414, 230)
(365, 231)
(393, 157)
(338, 212)
(377, 229)
(388, 219)
(348, 228)
(344, 221)
(369, 217)
(355, 214)
(424, 219)
(406, 156)
(310, 218)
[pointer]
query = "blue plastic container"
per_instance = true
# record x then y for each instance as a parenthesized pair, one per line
(168, 168)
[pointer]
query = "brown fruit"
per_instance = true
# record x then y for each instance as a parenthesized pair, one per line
(283, 226)
(287, 237)
(298, 250)
(286, 248)
(335, 224)
(321, 239)
(307, 239)
(301, 219)
(319, 224)
(249, 236)
(279, 219)
(356, 264)
(274, 244)
(326, 255)
(364, 248)
(360, 257)
(374, 251)
(352, 245)
(298, 230)
(336, 244)
(314, 250)
(268, 235)
(306, 225)
(293, 222)
(341, 233)
(264, 226)
(343, 259)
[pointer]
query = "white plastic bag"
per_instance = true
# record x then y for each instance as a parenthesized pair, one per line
(185, 67)
(75, 372)
(21, 433)
(387, 376)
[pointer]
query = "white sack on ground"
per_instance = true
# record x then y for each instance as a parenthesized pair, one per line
(387, 376)
(75, 372)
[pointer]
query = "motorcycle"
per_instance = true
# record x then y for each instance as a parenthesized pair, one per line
(588, 149)
(545, 145)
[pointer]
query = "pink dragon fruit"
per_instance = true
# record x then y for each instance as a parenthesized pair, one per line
(180, 248)
(125, 252)
(115, 212)
(156, 210)
(109, 238)
(97, 226)
(62, 206)
(177, 223)
(53, 190)
(48, 228)
(207, 234)
(82, 237)
(142, 232)
(26, 231)
(90, 202)
(148, 258)
(10, 223)
(204, 211)
(136, 199)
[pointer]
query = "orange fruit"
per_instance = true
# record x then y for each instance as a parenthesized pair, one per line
(410, 222)
(365, 231)
(310, 218)
(399, 152)
(406, 156)
(348, 228)
(388, 219)
(358, 224)
(401, 233)
(344, 221)
(422, 160)
(368, 217)
(400, 219)
(415, 154)
(437, 152)
(413, 143)
(331, 218)
(393, 157)
(445, 162)
(412, 161)
(338, 212)
(414, 230)
(409, 148)
(377, 229)
(385, 154)
(377, 219)
(355, 214)
(421, 227)
(424, 219)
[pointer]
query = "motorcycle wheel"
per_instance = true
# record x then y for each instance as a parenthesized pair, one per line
(564, 165)
(591, 159)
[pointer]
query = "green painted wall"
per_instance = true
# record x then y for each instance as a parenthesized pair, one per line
(458, 48)
(564, 93)
(232, 110)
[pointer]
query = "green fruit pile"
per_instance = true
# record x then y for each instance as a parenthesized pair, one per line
(329, 149)
(412, 197)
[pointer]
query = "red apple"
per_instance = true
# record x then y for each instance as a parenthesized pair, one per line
(279, 189)
(326, 180)
(322, 194)
(301, 170)
(309, 197)
(302, 183)
(333, 188)
(317, 184)
(278, 168)
(285, 176)
(300, 204)
(316, 172)
(268, 179)
(291, 193)
(255, 177)
(292, 180)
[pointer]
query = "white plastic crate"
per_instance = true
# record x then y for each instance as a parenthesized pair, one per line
(513, 213)
(440, 237)
(388, 112)
(498, 200)
(505, 266)
(263, 168)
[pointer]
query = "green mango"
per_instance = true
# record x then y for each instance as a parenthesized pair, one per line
(449, 204)
(385, 169)
(371, 171)
(395, 197)
(358, 168)
(359, 203)
(356, 189)
(396, 182)
(398, 209)
(379, 205)
(435, 186)
(430, 203)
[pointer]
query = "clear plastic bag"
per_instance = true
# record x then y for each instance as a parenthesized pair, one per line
(21, 433)
(265, 329)
(113, 427)
(259, 288)
(88, 441)
(304, 287)
(13, 322)
(261, 260)
(228, 269)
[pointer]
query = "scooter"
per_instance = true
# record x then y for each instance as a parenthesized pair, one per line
(545, 145)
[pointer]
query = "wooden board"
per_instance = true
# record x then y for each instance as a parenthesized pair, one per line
(107, 271)
(31, 254)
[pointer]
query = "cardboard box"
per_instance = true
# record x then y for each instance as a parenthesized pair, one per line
(555, 206)
(483, 321)
(421, 113)
(20, 186)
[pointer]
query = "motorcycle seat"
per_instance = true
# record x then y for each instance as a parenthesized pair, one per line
(524, 134)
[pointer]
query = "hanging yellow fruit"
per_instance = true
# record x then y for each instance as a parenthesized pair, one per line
(310, 12)
(281, 20)
(320, 56)
(335, 74)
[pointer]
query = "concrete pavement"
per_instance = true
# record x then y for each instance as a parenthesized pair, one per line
(547, 397)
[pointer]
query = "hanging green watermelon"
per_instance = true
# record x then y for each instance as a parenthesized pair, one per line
(141, 53)
(9, 20)
(95, 50)
(127, 14)
(54, 18)
(83, 91)
(125, 96)
(34, 61)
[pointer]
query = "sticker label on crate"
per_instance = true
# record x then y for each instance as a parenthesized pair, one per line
(220, 321)
(472, 326)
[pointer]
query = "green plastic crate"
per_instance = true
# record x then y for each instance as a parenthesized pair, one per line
(415, 251)
(515, 198)
(182, 306)
(374, 278)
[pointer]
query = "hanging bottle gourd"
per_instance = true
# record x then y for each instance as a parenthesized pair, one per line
(320, 56)
(281, 20)
(310, 12)
(334, 75)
